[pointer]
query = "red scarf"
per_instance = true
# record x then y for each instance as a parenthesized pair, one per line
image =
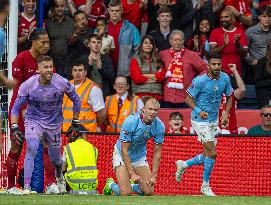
(175, 70)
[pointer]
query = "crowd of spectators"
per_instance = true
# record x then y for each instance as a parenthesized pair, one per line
(155, 47)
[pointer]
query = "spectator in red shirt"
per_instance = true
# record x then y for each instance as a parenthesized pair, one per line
(200, 41)
(92, 8)
(238, 94)
(23, 67)
(133, 11)
(240, 9)
(176, 124)
(146, 71)
(182, 66)
(27, 22)
(229, 41)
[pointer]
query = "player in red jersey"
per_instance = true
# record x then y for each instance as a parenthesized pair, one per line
(239, 93)
(23, 67)
(27, 22)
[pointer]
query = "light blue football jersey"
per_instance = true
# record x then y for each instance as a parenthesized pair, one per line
(137, 133)
(207, 94)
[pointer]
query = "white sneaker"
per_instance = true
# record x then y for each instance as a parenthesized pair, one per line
(180, 170)
(61, 184)
(14, 190)
(206, 190)
(52, 189)
(27, 190)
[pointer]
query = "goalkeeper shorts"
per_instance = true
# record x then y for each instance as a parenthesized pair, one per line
(117, 160)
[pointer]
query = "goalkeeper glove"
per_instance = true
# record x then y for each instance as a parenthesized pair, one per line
(73, 130)
(17, 135)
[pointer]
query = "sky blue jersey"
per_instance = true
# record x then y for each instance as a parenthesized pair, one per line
(207, 94)
(137, 133)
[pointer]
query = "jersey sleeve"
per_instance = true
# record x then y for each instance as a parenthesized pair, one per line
(159, 137)
(194, 89)
(126, 130)
(21, 99)
(2, 44)
(228, 89)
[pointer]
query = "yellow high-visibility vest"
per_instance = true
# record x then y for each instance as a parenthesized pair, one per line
(82, 172)
(87, 116)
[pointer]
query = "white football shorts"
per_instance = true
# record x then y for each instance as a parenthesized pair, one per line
(206, 131)
(117, 160)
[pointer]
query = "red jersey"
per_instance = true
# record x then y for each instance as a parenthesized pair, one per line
(243, 6)
(264, 3)
(98, 9)
(232, 126)
(229, 54)
(183, 130)
(114, 30)
(23, 67)
(23, 27)
(132, 12)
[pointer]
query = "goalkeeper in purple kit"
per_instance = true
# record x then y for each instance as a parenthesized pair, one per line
(43, 119)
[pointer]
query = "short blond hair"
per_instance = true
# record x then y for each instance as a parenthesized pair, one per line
(146, 99)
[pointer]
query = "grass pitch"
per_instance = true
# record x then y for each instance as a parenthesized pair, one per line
(153, 200)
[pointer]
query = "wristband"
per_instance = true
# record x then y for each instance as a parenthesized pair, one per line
(197, 110)
(14, 126)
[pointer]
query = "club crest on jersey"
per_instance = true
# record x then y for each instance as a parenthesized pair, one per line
(146, 134)
(215, 87)
(125, 132)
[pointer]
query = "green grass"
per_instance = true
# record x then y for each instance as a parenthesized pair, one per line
(153, 200)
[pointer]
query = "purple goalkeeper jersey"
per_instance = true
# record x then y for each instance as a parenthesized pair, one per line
(45, 101)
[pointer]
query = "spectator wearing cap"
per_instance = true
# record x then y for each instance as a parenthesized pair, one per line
(80, 164)
(182, 66)
(265, 127)
(60, 28)
(176, 124)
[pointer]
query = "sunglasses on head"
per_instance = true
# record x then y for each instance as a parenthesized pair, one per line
(266, 114)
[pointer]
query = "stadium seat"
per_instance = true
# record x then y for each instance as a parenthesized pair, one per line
(250, 100)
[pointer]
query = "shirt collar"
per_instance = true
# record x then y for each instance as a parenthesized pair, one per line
(64, 19)
(147, 124)
(122, 97)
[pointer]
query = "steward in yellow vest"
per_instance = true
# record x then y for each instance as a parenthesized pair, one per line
(81, 164)
(88, 116)
(120, 105)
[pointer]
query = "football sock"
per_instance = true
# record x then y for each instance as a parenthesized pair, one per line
(115, 188)
(197, 160)
(136, 189)
(208, 168)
